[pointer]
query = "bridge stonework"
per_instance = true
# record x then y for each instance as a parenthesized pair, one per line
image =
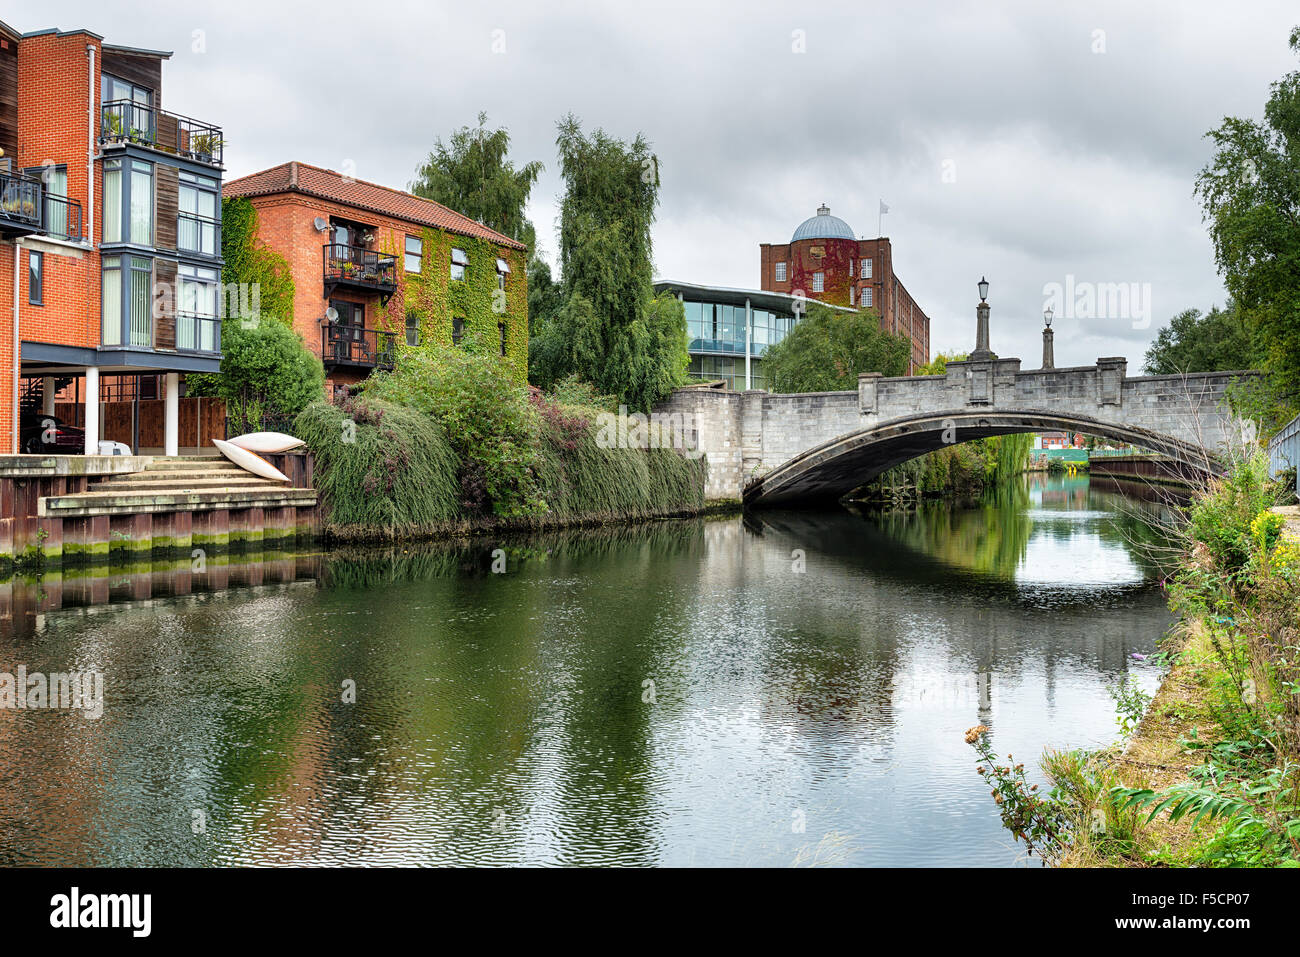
(771, 449)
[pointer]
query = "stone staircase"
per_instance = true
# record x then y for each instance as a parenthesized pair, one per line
(189, 483)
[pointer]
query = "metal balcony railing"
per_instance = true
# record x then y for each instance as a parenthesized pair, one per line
(359, 267)
(125, 121)
(62, 217)
(357, 346)
(21, 208)
(196, 333)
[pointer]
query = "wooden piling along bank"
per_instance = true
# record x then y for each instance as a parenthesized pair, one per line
(71, 509)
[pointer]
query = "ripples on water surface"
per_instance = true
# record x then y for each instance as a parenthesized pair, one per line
(504, 719)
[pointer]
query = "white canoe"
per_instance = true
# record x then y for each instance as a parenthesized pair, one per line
(266, 442)
(250, 461)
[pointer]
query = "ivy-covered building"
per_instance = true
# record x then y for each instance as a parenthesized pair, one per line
(373, 266)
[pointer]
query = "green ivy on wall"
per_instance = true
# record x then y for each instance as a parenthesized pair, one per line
(436, 299)
(250, 261)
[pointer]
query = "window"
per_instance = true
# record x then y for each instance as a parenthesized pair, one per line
(196, 308)
(501, 327)
(111, 296)
(35, 277)
(819, 282)
(780, 272)
(414, 254)
(458, 263)
(850, 295)
(412, 329)
(140, 302)
(457, 330)
(112, 201)
(850, 268)
(141, 203)
(350, 313)
(867, 297)
(196, 226)
(128, 109)
(866, 269)
(503, 268)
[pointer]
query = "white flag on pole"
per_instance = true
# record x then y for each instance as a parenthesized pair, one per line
(883, 208)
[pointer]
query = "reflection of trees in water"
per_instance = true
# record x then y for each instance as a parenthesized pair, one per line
(990, 538)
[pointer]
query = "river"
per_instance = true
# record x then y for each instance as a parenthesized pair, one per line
(779, 689)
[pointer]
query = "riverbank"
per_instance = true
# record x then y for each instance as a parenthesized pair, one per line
(1210, 776)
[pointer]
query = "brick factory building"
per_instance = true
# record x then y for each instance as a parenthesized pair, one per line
(374, 266)
(824, 261)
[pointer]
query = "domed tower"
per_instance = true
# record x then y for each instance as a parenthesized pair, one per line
(824, 260)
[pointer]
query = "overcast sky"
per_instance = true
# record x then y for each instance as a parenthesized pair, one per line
(1029, 142)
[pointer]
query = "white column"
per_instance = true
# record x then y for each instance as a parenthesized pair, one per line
(749, 337)
(92, 410)
(171, 416)
(47, 395)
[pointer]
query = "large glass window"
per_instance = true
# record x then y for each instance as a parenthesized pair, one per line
(196, 227)
(128, 110)
(819, 282)
(866, 269)
(867, 297)
(141, 203)
(196, 308)
(141, 302)
(113, 201)
(780, 272)
(458, 263)
(111, 297)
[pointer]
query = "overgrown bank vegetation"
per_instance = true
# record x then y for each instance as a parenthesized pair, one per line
(448, 441)
(1211, 775)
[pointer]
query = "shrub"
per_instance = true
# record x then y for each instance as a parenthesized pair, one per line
(485, 415)
(380, 466)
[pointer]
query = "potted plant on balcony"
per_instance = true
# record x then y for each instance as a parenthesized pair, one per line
(29, 209)
(114, 126)
(203, 145)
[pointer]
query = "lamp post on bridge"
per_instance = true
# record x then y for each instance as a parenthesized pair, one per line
(1049, 357)
(982, 350)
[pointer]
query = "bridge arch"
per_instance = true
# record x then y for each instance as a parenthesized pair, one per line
(830, 470)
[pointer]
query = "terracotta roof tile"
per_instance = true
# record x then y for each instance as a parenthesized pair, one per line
(295, 177)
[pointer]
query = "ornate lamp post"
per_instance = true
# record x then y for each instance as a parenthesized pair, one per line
(1049, 358)
(982, 351)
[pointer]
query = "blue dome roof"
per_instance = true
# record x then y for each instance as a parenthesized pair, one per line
(823, 226)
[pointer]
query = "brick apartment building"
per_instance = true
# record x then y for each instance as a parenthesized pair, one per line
(373, 265)
(825, 261)
(110, 245)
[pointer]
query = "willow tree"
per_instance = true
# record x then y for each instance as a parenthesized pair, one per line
(612, 331)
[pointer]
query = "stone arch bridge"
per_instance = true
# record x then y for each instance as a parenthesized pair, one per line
(770, 449)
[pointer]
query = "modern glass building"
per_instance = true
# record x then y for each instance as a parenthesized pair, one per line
(731, 329)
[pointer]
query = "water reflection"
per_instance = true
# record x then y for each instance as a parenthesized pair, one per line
(775, 690)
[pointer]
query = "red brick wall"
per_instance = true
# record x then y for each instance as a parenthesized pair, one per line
(53, 90)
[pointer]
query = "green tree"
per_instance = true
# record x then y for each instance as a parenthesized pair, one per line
(611, 332)
(265, 371)
(473, 175)
(1250, 195)
(939, 364)
(545, 296)
(1218, 341)
(826, 350)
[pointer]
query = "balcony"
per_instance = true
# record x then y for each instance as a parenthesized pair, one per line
(355, 267)
(20, 205)
(124, 122)
(343, 345)
(62, 218)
